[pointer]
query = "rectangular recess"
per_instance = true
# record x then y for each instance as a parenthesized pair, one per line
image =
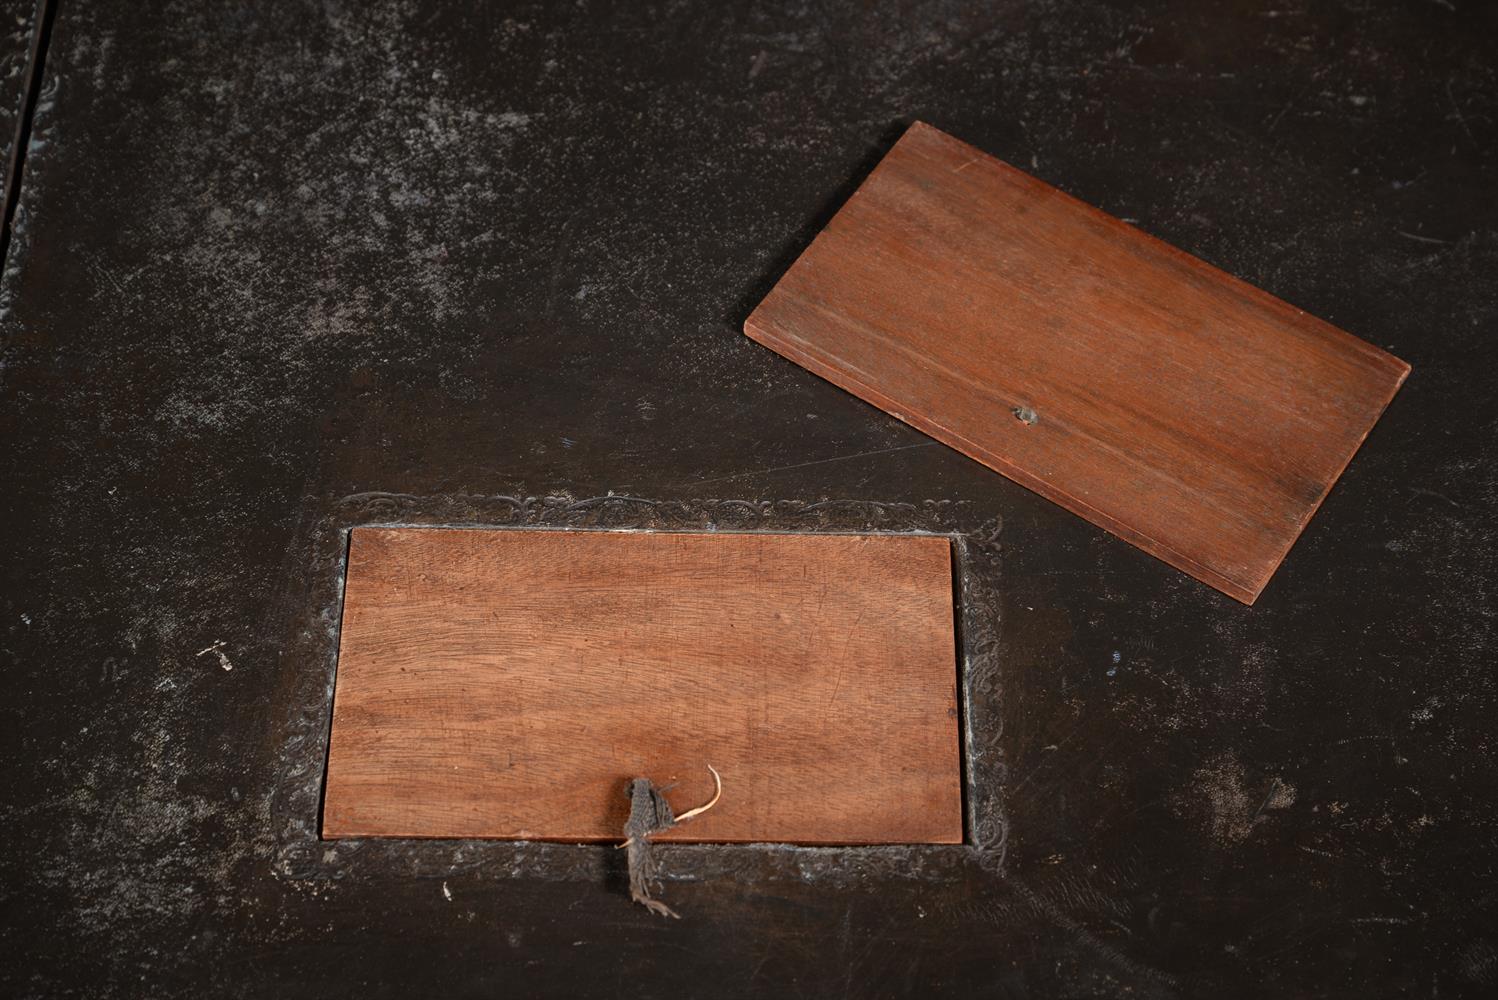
(508, 683)
(1185, 411)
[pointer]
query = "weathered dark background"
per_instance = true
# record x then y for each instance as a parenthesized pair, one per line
(270, 256)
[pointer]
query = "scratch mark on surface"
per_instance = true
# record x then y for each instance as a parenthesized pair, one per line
(1041, 904)
(1274, 786)
(1275, 123)
(843, 665)
(759, 967)
(1423, 492)
(805, 465)
(1422, 239)
(217, 649)
(1461, 118)
(1318, 852)
(1360, 739)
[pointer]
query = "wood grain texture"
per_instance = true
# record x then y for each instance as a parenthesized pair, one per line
(508, 684)
(1189, 413)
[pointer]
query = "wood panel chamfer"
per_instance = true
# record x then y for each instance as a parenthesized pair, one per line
(506, 684)
(1187, 412)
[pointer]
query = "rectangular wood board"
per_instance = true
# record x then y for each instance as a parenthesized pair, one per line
(1187, 412)
(509, 683)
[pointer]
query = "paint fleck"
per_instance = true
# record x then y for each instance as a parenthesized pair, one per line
(217, 649)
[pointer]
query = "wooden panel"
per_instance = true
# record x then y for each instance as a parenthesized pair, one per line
(1187, 412)
(509, 683)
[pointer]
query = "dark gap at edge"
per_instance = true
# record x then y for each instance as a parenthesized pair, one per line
(327, 750)
(966, 792)
(15, 169)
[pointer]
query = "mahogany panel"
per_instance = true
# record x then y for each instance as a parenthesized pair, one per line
(1185, 411)
(509, 683)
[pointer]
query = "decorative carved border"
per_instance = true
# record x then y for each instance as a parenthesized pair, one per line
(311, 655)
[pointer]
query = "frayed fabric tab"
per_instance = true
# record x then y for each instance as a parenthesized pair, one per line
(650, 813)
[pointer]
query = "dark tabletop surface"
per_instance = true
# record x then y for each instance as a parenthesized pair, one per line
(285, 267)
